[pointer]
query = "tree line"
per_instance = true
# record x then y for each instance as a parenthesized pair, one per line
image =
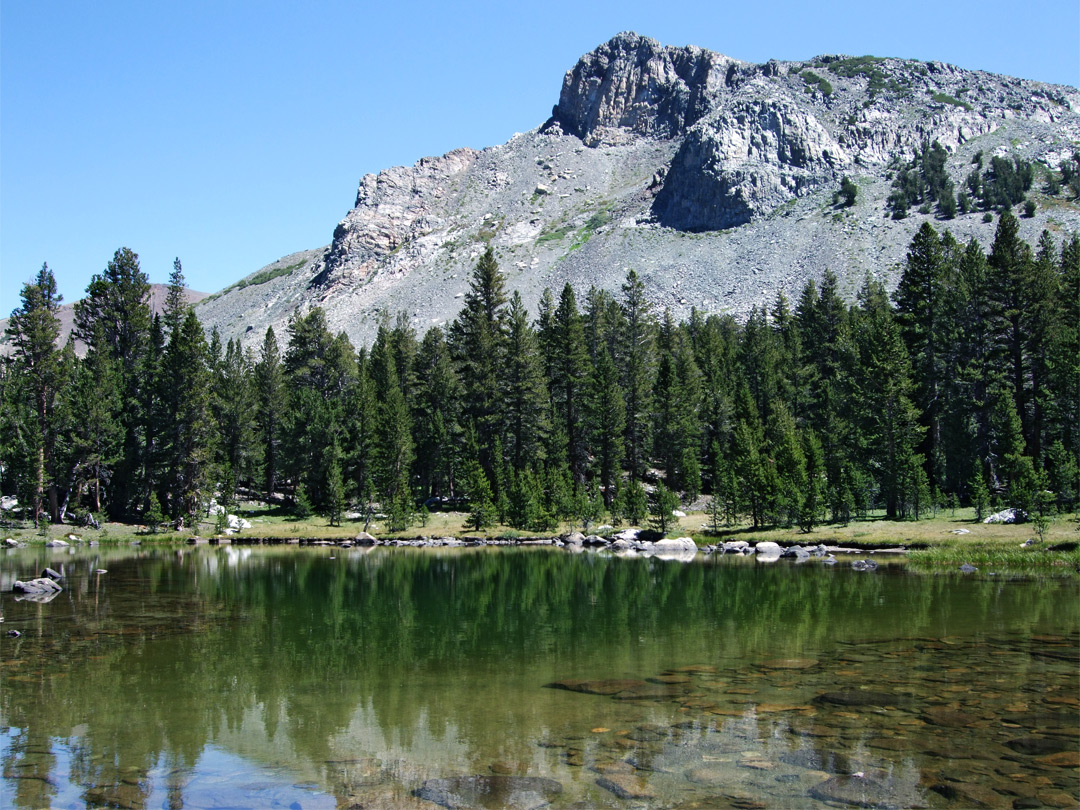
(962, 387)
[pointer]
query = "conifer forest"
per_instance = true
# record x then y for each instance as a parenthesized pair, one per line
(960, 387)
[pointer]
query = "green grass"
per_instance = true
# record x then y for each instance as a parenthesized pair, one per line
(262, 277)
(933, 542)
(868, 67)
(944, 98)
(813, 80)
(554, 233)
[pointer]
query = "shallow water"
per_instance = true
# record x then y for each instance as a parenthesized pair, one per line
(329, 678)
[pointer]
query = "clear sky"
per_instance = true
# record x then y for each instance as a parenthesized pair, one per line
(230, 133)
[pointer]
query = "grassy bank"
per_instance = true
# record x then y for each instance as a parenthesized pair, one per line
(950, 538)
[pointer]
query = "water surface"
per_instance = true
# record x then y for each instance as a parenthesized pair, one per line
(332, 678)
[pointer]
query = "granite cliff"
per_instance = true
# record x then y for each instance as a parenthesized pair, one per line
(713, 178)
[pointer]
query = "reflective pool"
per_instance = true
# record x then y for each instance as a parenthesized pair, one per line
(349, 678)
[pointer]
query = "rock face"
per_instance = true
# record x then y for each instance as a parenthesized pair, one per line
(632, 84)
(712, 178)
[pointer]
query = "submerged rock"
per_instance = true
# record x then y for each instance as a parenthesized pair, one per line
(490, 792)
(608, 686)
(855, 697)
(626, 786)
(866, 791)
(1036, 746)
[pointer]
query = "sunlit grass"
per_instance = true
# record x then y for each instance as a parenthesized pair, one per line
(950, 538)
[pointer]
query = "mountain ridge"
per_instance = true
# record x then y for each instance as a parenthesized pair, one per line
(711, 177)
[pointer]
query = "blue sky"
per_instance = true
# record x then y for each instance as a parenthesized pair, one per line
(231, 133)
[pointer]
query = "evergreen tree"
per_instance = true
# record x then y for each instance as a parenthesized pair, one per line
(478, 343)
(33, 330)
(665, 502)
(188, 433)
(234, 409)
(175, 303)
(320, 373)
(607, 422)
(569, 373)
(926, 326)
(96, 435)
(636, 362)
(118, 301)
(525, 393)
(270, 400)
(436, 416)
(887, 420)
(1008, 274)
(393, 430)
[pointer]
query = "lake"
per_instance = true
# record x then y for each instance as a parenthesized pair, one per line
(274, 676)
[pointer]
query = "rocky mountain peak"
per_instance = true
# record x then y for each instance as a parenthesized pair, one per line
(714, 179)
(633, 84)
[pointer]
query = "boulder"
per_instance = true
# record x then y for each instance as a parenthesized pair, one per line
(1009, 515)
(36, 587)
(574, 539)
(768, 550)
(364, 539)
(237, 523)
(676, 544)
(56, 542)
(628, 535)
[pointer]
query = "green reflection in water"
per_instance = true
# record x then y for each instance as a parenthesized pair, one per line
(365, 673)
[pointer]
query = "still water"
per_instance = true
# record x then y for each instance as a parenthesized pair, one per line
(240, 677)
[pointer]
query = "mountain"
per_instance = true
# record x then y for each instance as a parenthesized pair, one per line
(158, 293)
(713, 178)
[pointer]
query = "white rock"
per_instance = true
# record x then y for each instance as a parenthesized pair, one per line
(678, 513)
(237, 523)
(676, 544)
(768, 550)
(1009, 515)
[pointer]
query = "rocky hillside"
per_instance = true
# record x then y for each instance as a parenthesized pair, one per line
(713, 178)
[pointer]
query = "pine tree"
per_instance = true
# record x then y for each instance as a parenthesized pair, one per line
(925, 324)
(569, 373)
(270, 401)
(636, 362)
(478, 343)
(525, 393)
(33, 330)
(665, 502)
(233, 403)
(606, 417)
(188, 433)
(436, 416)
(393, 445)
(887, 420)
(118, 300)
(175, 303)
(96, 432)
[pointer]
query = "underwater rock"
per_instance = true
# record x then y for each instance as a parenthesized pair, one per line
(865, 791)
(626, 786)
(607, 686)
(490, 792)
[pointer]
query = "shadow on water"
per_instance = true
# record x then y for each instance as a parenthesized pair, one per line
(328, 677)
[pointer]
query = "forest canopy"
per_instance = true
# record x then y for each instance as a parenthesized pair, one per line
(962, 386)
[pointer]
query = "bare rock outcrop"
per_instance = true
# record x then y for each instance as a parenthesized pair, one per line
(633, 84)
(712, 178)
